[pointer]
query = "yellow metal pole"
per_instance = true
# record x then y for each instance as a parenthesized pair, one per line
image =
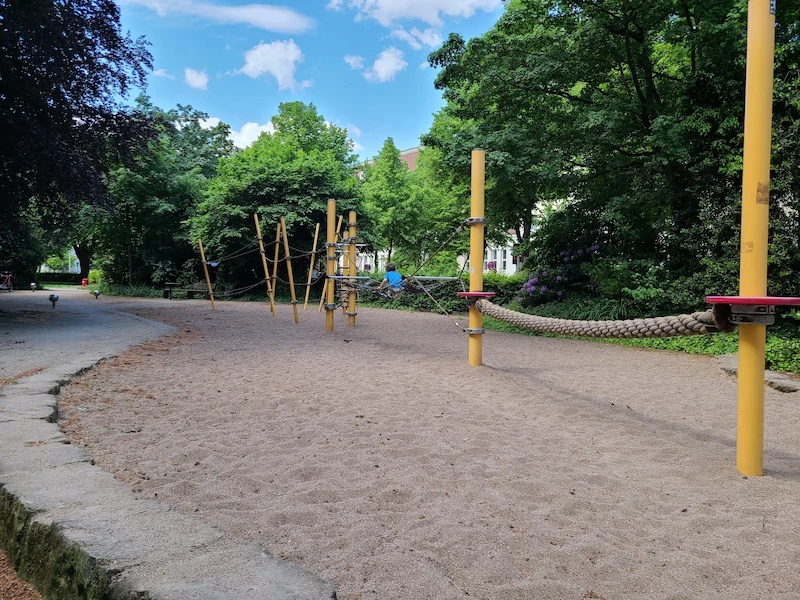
(275, 265)
(264, 263)
(205, 270)
(311, 266)
(476, 251)
(330, 267)
(755, 228)
(351, 300)
(289, 270)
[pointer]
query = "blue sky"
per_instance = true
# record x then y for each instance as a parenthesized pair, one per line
(361, 62)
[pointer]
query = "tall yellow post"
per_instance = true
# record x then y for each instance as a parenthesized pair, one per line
(351, 300)
(330, 268)
(755, 226)
(289, 269)
(205, 270)
(476, 230)
(264, 264)
(311, 266)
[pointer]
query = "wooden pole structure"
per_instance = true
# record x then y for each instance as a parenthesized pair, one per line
(205, 270)
(755, 229)
(352, 309)
(275, 264)
(344, 288)
(324, 295)
(476, 251)
(330, 268)
(289, 270)
(311, 266)
(266, 268)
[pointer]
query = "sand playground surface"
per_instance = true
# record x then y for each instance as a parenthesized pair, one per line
(377, 458)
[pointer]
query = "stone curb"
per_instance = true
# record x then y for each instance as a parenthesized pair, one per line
(77, 533)
(777, 381)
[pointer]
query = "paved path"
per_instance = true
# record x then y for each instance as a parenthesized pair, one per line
(68, 526)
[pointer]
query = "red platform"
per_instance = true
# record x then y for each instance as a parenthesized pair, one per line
(752, 300)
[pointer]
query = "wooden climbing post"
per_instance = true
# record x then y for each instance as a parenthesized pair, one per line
(330, 267)
(351, 299)
(311, 266)
(275, 265)
(205, 270)
(477, 224)
(289, 270)
(264, 264)
(755, 227)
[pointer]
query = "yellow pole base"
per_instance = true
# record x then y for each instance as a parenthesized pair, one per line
(750, 411)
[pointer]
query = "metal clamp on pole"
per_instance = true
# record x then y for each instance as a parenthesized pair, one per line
(351, 314)
(475, 330)
(752, 310)
(475, 221)
(329, 306)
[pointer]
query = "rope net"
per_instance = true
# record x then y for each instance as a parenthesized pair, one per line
(698, 323)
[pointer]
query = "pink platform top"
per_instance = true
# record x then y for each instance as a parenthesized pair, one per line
(774, 301)
(476, 294)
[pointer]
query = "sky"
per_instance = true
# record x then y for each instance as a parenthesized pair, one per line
(363, 63)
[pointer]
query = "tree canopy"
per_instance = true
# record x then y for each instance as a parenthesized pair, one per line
(64, 64)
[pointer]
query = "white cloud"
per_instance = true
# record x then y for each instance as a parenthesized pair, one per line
(357, 147)
(163, 73)
(334, 4)
(196, 79)
(387, 12)
(278, 59)
(248, 134)
(416, 38)
(424, 65)
(388, 64)
(353, 130)
(355, 62)
(430, 37)
(402, 34)
(264, 16)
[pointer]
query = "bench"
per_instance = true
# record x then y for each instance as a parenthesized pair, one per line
(199, 288)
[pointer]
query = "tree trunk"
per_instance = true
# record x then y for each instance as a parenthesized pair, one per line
(84, 254)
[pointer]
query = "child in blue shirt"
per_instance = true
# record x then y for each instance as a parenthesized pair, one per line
(393, 279)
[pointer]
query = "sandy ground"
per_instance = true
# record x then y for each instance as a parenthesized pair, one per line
(378, 458)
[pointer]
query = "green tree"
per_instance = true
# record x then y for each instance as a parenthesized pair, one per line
(65, 67)
(631, 115)
(291, 173)
(388, 200)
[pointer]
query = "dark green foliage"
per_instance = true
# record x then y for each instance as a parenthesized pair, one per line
(64, 67)
(622, 123)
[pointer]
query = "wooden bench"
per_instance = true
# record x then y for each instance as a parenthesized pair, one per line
(199, 288)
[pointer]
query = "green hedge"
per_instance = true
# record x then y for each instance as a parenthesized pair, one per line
(73, 278)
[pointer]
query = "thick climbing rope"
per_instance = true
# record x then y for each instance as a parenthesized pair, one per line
(698, 323)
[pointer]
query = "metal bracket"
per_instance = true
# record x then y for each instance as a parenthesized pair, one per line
(330, 244)
(756, 314)
(330, 306)
(475, 330)
(351, 314)
(351, 224)
(475, 221)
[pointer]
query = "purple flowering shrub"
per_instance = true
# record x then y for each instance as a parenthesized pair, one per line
(542, 286)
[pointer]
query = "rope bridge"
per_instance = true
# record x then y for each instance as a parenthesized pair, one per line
(698, 323)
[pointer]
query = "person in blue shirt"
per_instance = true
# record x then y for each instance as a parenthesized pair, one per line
(393, 279)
